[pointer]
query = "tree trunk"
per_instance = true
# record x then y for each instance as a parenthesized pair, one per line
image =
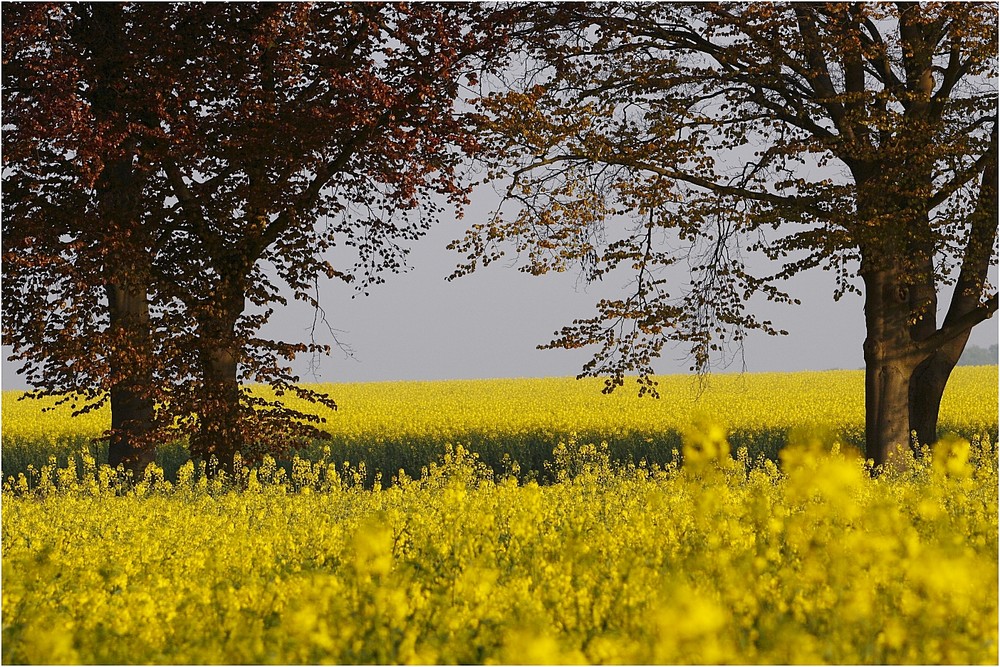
(927, 386)
(220, 433)
(132, 408)
(127, 277)
(929, 379)
(889, 365)
(128, 260)
(887, 426)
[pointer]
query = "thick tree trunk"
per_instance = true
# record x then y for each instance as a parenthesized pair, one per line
(219, 433)
(927, 384)
(127, 277)
(132, 407)
(887, 426)
(128, 259)
(889, 365)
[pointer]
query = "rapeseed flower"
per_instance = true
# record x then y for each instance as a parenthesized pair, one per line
(715, 559)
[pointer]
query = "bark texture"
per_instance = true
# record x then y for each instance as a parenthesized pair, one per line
(132, 408)
(128, 260)
(889, 363)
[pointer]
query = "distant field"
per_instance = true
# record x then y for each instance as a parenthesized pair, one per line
(393, 425)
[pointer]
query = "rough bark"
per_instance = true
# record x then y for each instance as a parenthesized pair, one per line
(929, 379)
(219, 433)
(927, 384)
(128, 261)
(132, 408)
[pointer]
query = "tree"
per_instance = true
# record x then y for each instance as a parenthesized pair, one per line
(199, 156)
(343, 114)
(859, 138)
(973, 355)
(77, 247)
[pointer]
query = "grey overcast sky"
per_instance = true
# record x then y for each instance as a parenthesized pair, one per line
(417, 326)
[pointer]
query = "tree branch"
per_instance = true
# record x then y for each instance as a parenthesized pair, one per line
(192, 209)
(958, 326)
(819, 70)
(286, 218)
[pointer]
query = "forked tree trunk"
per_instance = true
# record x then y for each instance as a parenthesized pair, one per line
(904, 382)
(930, 377)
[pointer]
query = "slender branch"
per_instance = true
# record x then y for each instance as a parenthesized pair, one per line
(286, 218)
(718, 188)
(961, 179)
(882, 67)
(192, 210)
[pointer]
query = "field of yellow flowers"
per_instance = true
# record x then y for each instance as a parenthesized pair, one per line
(393, 425)
(725, 558)
(719, 560)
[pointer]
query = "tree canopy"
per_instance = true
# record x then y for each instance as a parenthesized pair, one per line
(169, 166)
(857, 138)
(169, 169)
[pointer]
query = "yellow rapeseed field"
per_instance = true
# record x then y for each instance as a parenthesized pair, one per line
(390, 425)
(723, 559)
(718, 561)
